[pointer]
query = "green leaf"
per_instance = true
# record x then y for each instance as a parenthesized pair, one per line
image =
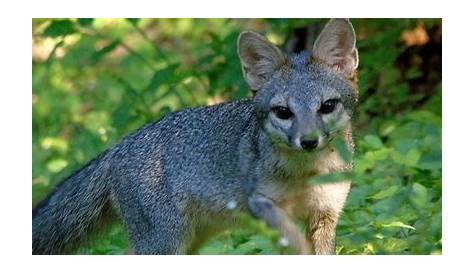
(59, 28)
(431, 161)
(424, 116)
(55, 143)
(100, 54)
(373, 141)
(97, 121)
(412, 157)
(214, 247)
(263, 244)
(392, 190)
(371, 159)
(331, 178)
(133, 21)
(404, 145)
(56, 165)
(419, 195)
(398, 224)
(413, 72)
(397, 157)
(85, 22)
(394, 246)
(377, 155)
(343, 150)
(163, 77)
(387, 127)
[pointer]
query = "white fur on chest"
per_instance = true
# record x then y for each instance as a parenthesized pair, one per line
(297, 196)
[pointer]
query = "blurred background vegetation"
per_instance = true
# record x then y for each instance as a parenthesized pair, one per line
(96, 80)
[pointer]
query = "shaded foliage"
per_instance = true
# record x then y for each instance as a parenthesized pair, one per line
(96, 80)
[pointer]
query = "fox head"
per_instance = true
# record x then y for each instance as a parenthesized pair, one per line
(306, 99)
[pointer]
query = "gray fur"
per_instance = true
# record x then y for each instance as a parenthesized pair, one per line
(336, 46)
(259, 58)
(175, 181)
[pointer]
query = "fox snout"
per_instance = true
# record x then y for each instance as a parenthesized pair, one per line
(308, 132)
(310, 142)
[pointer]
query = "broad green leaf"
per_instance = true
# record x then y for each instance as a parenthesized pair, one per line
(387, 127)
(85, 22)
(397, 157)
(419, 195)
(385, 193)
(343, 150)
(404, 145)
(164, 76)
(431, 161)
(59, 28)
(373, 141)
(412, 157)
(377, 155)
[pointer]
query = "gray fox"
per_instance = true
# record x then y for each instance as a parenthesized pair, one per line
(175, 182)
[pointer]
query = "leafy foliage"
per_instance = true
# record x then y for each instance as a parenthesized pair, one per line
(96, 80)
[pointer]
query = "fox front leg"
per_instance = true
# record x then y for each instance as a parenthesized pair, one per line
(327, 202)
(264, 208)
(322, 232)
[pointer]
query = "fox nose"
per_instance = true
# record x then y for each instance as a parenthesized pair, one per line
(309, 144)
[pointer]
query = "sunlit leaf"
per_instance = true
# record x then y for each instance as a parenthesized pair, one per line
(55, 143)
(398, 224)
(56, 165)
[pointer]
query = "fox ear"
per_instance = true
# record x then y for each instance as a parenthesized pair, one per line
(259, 58)
(336, 46)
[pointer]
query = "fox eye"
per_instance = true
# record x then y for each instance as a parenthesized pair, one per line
(328, 106)
(283, 113)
